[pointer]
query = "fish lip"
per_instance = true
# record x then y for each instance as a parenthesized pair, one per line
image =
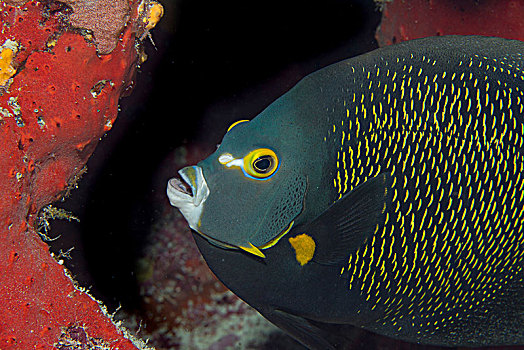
(194, 177)
(176, 194)
(175, 184)
(190, 205)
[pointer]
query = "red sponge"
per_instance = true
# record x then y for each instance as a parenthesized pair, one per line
(58, 96)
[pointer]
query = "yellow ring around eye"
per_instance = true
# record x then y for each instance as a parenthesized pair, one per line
(261, 163)
(235, 124)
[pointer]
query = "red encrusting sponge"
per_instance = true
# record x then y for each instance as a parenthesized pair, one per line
(58, 96)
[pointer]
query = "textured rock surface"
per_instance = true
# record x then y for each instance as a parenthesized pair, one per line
(405, 20)
(56, 101)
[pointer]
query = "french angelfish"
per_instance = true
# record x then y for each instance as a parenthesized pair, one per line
(385, 191)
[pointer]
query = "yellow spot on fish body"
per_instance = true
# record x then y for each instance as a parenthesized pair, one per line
(304, 247)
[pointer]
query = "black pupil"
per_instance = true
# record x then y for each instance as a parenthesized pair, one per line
(263, 164)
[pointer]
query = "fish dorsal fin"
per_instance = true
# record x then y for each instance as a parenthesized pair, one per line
(347, 224)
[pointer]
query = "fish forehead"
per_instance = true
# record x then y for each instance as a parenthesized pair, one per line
(448, 126)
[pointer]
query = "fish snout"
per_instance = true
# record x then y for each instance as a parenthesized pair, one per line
(190, 194)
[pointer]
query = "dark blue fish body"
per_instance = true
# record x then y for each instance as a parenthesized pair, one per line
(386, 192)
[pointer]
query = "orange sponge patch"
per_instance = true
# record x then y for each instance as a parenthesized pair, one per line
(8, 51)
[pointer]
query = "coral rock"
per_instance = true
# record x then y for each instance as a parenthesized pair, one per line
(58, 98)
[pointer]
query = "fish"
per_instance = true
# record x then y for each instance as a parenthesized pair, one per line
(384, 192)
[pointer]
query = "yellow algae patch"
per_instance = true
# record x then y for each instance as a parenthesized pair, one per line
(9, 50)
(154, 14)
(304, 247)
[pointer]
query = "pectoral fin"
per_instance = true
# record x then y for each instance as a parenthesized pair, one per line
(300, 329)
(346, 225)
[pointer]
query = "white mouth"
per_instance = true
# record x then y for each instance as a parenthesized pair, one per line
(189, 203)
(177, 185)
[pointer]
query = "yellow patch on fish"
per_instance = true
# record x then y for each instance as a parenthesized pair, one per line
(304, 247)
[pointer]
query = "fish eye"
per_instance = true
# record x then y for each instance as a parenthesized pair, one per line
(261, 163)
